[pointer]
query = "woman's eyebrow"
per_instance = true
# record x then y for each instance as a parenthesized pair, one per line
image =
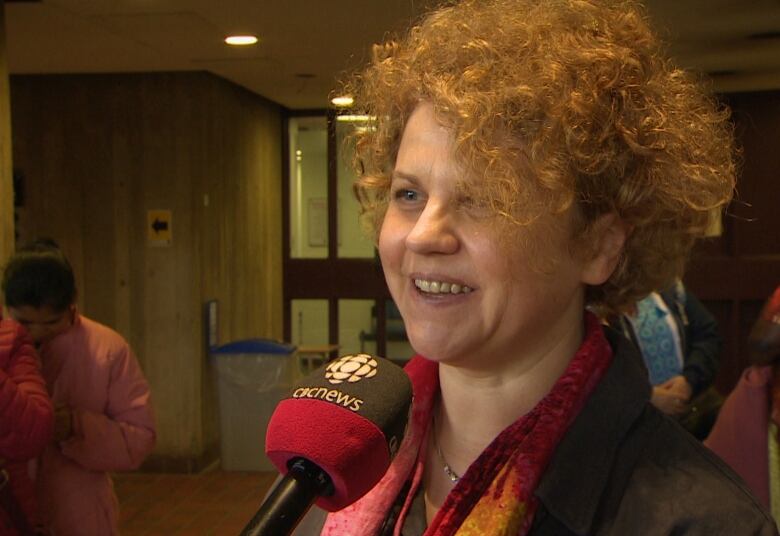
(405, 176)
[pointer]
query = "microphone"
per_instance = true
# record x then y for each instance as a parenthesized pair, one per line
(333, 439)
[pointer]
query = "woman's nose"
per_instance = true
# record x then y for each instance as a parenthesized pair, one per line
(434, 231)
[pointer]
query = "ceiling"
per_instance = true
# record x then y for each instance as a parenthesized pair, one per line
(306, 44)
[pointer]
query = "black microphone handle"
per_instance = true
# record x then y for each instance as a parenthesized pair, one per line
(290, 499)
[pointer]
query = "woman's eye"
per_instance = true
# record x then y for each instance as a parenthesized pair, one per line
(406, 195)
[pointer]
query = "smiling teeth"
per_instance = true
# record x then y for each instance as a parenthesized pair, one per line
(440, 287)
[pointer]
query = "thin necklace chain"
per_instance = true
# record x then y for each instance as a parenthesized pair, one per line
(452, 475)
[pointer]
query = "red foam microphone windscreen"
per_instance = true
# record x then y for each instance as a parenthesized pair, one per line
(347, 417)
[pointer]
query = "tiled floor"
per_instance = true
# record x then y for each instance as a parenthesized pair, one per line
(215, 503)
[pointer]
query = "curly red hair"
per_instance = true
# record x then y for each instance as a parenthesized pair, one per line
(558, 103)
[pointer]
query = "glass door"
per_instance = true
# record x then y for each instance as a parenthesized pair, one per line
(335, 295)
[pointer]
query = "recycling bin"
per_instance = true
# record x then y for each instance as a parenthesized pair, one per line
(252, 376)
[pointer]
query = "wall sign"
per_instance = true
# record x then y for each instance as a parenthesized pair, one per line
(159, 228)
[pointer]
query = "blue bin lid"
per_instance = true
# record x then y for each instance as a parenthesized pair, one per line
(254, 346)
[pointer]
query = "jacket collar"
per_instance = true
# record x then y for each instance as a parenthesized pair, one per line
(574, 482)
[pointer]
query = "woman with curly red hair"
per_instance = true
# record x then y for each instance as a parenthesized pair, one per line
(529, 162)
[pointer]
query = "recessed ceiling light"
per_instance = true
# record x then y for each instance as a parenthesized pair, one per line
(344, 100)
(355, 118)
(241, 40)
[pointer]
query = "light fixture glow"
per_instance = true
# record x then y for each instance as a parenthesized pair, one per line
(355, 118)
(342, 101)
(241, 40)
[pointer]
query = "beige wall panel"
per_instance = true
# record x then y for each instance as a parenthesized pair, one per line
(98, 152)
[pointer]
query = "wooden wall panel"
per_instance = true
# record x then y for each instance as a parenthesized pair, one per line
(6, 177)
(239, 221)
(98, 152)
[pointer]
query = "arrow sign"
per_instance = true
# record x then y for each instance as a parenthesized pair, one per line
(159, 225)
(159, 228)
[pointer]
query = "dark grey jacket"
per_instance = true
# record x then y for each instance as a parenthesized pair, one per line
(624, 468)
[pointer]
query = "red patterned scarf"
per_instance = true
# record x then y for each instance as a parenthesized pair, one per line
(496, 494)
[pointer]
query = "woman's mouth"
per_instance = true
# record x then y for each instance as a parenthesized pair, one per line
(440, 287)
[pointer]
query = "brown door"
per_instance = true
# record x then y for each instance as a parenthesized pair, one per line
(735, 273)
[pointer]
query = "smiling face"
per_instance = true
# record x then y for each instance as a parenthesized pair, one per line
(466, 294)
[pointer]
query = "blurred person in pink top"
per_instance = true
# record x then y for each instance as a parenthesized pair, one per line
(746, 431)
(103, 414)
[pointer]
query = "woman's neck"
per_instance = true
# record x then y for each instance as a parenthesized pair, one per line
(475, 406)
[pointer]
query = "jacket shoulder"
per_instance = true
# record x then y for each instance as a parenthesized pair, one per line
(676, 485)
(100, 337)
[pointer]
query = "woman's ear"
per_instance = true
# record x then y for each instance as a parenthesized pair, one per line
(608, 233)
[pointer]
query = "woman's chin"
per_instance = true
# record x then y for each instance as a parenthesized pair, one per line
(439, 350)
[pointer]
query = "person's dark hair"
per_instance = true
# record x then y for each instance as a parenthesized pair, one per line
(39, 275)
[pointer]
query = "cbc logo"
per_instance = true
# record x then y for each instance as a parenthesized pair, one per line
(351, 369)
